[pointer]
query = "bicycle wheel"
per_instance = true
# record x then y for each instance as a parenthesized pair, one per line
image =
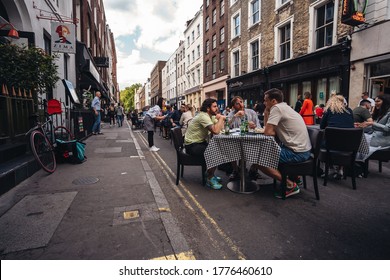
(42, 151)
(62, 133)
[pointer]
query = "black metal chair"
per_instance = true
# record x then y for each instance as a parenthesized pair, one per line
(380, 156)
(308, 167)
(341, 147)
(183, 158)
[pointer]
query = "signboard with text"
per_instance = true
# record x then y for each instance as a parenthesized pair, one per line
(353, 12)
(63, 37)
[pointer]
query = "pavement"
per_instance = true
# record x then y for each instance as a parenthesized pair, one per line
(109, 207)
(123, 204)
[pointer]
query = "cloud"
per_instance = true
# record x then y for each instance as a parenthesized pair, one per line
(154, 26)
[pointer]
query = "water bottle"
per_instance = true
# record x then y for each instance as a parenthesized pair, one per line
(227, 128)
(246, 124)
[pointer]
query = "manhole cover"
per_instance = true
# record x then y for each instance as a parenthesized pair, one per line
(85, 181)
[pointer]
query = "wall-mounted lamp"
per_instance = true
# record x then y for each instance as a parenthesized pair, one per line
(13, 33)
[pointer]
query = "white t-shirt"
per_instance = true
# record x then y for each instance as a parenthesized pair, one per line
(372, 101)
(290, 127)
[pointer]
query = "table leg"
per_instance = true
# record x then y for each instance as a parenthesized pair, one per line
(243, 186)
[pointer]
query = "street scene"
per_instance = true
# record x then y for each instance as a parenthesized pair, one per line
(123, 203)
(238, 139)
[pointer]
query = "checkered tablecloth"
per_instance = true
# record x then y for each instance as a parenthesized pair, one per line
(364, 148)
(259, 149)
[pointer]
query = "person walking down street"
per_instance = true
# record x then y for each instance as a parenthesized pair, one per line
(282, 121)
(151, 116)
(96, 106)
(197, 134)
(111, 114)
(119, 115)
(307, 109)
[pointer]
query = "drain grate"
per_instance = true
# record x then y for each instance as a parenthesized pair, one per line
(85, 181)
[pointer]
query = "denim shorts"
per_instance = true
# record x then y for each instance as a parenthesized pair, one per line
(289, 156)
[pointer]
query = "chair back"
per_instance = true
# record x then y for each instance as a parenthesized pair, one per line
(343, 139)
(177, 138)
(316, 136)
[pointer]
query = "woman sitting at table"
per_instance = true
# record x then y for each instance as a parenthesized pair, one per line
(337, 114)
(380, 135)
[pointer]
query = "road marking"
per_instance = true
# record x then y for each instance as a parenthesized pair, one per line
(182, 256)
(165, 168)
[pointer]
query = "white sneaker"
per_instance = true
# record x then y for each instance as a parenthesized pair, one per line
(154, 149)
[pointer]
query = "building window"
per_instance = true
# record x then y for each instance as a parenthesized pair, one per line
(324, 25)
(207, 3)
(222, 35)
(283, 39)
(254, 12)
(221, 8)
(207, 66)
(207, 46)
(193, 36)
(214, 41)
(214, 16)
(254, 55)
(232, 2)
(236, 25)
(188, 59)
(280, 3)
(193, 55)
(207, 23)
(198, 71)
(214, 66)
(236, 63)
(198, 30)
(198, 50)
(188, 41)
(222, 60)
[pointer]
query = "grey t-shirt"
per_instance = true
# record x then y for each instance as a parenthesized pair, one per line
(290, 128)
(360, 114)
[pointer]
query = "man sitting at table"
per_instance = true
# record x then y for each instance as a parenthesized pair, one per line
(235, 117)
(282, 121)
(195, 139)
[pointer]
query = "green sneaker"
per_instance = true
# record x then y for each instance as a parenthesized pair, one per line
(219, 179)
(289, 192)
(213, 183)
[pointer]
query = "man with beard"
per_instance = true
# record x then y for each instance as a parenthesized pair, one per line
(197, 135)
(235, 117)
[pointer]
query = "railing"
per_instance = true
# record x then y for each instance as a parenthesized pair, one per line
(15, 112)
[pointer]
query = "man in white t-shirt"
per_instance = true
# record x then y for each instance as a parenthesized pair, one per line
(282, 121)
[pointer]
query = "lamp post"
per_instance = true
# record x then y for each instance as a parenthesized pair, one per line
(13, 33)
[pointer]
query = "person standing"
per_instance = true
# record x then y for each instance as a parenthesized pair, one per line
(282, 121)
(152, 115)
(298, 104)
(119, 115)
(195, 139)
(366, 96)
(307, 109)
(96, 106)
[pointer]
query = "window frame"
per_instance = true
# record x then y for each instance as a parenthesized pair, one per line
(250, 13)
(277, 35)
(236, 29)
(250, 53)
(235, 65)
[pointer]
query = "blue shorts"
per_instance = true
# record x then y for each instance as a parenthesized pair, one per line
(289, 156)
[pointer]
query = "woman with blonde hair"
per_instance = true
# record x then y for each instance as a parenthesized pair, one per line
(186, 117)
(337, 114)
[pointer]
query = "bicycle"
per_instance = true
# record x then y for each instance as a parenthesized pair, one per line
(43, 141)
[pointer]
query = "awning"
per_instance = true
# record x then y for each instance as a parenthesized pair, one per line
(88, 74)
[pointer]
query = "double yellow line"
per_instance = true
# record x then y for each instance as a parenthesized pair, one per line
(205, 216)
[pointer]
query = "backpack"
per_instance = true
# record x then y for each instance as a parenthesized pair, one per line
(70, 151)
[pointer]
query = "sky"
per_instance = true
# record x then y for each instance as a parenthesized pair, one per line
(146, 31)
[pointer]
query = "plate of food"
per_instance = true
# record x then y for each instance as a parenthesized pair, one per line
(259, 130)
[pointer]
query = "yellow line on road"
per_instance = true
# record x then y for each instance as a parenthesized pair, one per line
(182, 256)
(216, 227)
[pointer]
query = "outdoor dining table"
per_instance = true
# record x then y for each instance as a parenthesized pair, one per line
(250, 148)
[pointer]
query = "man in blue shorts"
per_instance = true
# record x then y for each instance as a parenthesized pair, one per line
(282, 121)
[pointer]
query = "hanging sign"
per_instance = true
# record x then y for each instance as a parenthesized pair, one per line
(63, 37)
(353, 12)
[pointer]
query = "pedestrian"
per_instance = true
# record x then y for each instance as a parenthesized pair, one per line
(151, 116)
(96, 106)
(298, 104)
(111, 114)
(119, 115)
(307, 109)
